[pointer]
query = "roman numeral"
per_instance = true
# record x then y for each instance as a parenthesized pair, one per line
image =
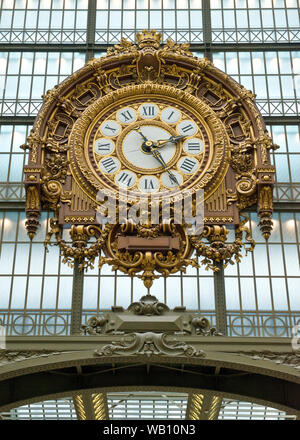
(187, 165)
(109, 164)
(103, 147)
(124, 178)
(193, 146)
(148, 184)
(127, 115)
(170, 116)
(187, 128)
(110, 128)
(149, 110)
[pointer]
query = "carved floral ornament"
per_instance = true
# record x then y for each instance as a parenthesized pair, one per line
(201, 130)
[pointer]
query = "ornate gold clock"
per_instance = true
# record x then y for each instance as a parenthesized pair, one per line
(149, 143)
(149, 122)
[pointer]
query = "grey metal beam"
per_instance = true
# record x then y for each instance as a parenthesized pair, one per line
(12, 206)
(252, 386)
(206, 23)
(217, 47)
(252, 47)
(42, 47)
(17, 120)
(91, 29)
(77, 293)
(280, 120)
(220, 300)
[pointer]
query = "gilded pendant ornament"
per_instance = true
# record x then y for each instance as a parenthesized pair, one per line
(153, 122)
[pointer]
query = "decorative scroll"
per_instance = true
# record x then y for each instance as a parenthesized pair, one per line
(149, 344)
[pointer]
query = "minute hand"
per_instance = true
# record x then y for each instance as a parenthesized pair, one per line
(158, 156)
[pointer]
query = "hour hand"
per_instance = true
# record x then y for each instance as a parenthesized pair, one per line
(172, 139)
(138, 129)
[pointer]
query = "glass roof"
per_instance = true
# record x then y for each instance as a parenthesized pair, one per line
(147, 405)
(238, 410)
(60, 409)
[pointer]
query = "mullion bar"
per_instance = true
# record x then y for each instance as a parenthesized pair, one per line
(284, 263)
(98, 290)
(207, 31)
(32, 76)
(198, 289)
(77, 294)
(43, 278)
(270, 283)
(255, 288)
(240, 297)
(27, 282)
(13, 265)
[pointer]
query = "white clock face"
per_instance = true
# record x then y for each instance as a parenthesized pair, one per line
(132, 147)
(147, 147)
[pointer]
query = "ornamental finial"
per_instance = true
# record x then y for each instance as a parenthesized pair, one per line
(148, 39)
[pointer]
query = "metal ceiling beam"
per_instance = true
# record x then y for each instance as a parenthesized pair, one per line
(206, 23)
(280, 120)
(197, 47)
(220, 300)
(77, 295)
(248, 47)
(251, 385)
(91, 29)
(17, 120)
(43, 47)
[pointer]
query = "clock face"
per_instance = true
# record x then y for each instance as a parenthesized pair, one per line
(148, 146)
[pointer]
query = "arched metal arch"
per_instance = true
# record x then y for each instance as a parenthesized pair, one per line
(223, 373)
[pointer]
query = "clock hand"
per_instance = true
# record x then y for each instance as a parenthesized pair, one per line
(158, 156)
(138, 129)
(162, 142)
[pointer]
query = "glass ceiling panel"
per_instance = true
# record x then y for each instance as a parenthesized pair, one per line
(238, 410)
(147, 405)
(26, 76)
(43, 21)
(60, 409)
(179, 19)
(255, 21)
